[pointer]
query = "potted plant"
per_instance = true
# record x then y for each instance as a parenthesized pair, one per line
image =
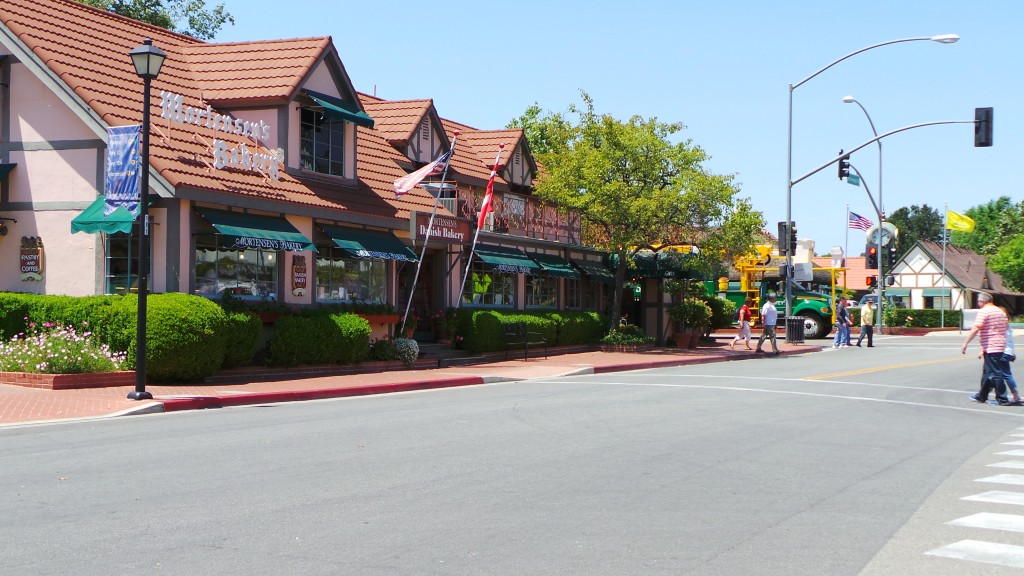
(691, 315)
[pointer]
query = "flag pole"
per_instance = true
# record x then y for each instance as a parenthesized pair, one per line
(430, 228)
(945, 233)
(846, 244)
(483, 210)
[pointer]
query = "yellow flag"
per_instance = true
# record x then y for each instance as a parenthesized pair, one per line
(959, 222)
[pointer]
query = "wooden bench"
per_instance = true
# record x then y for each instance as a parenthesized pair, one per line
(516, 336)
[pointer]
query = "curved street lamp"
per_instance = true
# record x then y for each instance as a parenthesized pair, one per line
(147, 60)
(941, 39)
(879, 212)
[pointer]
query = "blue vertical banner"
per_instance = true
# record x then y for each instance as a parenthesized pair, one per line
(121, 186)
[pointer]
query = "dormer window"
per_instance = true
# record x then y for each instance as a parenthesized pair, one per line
(327, 134)
(322, 143)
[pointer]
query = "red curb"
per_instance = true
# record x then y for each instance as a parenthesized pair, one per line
(205, 402)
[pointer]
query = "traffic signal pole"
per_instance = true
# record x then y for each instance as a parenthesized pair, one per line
(880, 287)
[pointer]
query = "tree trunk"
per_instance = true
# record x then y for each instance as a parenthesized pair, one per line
(620, 282)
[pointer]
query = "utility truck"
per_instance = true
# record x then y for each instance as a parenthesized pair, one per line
(759, 277)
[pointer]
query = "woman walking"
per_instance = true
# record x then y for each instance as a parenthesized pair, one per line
(744, 318)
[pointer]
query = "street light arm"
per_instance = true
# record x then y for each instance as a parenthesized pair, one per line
(874, 204)
(877, 138)
(865, 49)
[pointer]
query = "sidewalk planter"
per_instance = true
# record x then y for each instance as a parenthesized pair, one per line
(627, 347)
(68, 381)
(380, 324)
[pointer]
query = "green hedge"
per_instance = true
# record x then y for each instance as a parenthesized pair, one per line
(319, 339)
(185, 333)
(922, 318)
(483, 330)
(242, 334)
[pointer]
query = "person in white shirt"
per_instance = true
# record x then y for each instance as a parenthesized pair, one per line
(769, 316)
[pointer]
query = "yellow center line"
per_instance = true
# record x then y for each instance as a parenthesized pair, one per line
(889, 367)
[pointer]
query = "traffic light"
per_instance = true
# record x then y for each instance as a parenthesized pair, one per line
(844, 165)
(872, 257)
(792, 237)
(872, 281)
(892, 257)
(783, 239)
(982, 127)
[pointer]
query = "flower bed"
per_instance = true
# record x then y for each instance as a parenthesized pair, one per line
(69, 381)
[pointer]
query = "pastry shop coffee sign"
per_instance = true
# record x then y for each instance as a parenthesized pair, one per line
(31, 259)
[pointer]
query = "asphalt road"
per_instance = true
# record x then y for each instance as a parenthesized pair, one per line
(845, 462)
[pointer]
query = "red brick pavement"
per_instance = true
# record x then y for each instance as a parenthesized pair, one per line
(25, 405)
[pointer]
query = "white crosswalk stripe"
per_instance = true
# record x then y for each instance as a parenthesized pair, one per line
(998, 497)
(987, 552)
(991, 521)
(1014, 479)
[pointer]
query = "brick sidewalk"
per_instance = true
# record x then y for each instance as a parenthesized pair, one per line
(25, 405)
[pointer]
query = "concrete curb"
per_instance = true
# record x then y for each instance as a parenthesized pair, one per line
(177, 404)
(205, 402)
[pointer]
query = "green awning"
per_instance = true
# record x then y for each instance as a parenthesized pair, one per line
(555, 266)
(242, 231)
(596, 271)
(505, 259)
(898, 291)
(935, 292)
(359, 243)
(91, 220)
(338, 108)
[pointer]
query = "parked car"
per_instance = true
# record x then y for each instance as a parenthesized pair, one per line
(896, 301)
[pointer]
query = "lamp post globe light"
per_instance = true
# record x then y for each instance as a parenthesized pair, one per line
(941, 39)
(147, 60)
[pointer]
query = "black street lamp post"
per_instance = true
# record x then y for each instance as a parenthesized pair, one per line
(147, 60)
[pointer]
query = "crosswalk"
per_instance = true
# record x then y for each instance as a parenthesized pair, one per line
(1008, 477)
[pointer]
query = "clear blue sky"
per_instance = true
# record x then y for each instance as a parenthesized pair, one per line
(722, 69)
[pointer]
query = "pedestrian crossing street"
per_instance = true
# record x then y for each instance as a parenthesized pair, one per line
(1007, 483)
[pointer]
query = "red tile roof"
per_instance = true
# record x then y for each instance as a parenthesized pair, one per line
(86, 48)
(396, 120)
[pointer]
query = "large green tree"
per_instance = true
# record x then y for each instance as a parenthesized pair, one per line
(995, 222)
(635, 188)
(191, 17)
(916, 223)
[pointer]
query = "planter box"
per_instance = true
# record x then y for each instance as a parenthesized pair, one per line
(627, 347)
(380, 319)
(69, 381)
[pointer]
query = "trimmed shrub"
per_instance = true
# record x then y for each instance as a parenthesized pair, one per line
(340, 338)
(353, 343)
(185, 339)
(241, 333)
(14, 308)
(921, 318)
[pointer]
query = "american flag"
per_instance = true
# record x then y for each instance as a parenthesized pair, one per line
(409, 181)
(858, 222)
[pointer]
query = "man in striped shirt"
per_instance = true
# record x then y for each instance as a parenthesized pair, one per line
(990, 326)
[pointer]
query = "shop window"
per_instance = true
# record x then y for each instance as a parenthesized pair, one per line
(121, 266)
(937, 302)
(249, 274)
(339, 278)
(322, 143)
(490, 288)
(541, 291)
(582, 295)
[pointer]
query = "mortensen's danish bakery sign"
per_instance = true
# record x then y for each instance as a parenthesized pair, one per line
(224, 153)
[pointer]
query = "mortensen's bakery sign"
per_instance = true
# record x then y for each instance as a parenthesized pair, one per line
(225, 153)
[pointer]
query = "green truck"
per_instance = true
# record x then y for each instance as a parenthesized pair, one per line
(814, 307)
